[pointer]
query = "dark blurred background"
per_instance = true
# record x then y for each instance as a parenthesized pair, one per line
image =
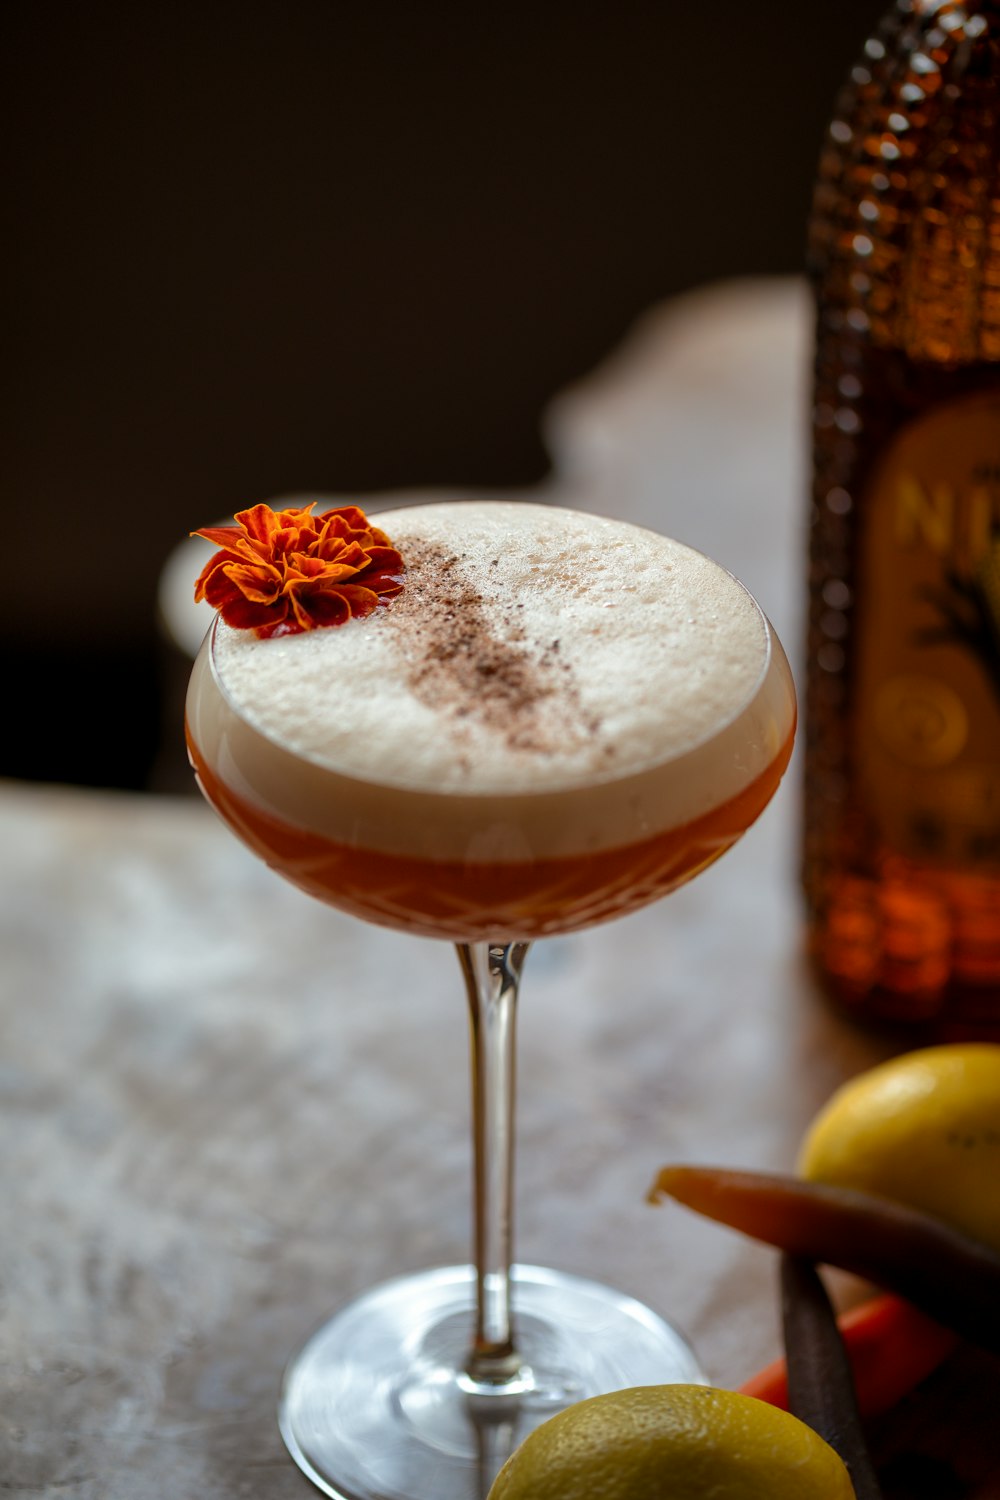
(263, 248)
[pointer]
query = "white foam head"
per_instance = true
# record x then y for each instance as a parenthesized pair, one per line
(536, 657)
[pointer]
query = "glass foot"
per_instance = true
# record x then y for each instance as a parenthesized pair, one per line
(375, 1406)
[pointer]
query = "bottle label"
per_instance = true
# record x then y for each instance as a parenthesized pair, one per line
(927, 664)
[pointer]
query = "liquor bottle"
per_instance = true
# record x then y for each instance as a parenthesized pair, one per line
(902, 815)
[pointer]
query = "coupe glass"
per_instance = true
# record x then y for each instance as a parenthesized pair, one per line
(421, 1388)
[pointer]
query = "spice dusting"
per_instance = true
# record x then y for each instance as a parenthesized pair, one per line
(461, 663)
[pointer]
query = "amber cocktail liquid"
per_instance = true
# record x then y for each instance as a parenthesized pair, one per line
(902, 854)
(560, 719)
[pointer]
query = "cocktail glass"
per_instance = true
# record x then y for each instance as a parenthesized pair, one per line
(420, 1388)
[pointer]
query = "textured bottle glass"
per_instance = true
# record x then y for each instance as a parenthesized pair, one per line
(902, 829)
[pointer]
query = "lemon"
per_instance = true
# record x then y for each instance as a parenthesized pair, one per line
(673, 1442)
(922, 1129)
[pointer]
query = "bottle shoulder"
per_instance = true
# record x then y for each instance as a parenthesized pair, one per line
(904, 234)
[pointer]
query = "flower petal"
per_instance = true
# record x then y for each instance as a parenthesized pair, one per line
(361, 601)
(336, 606)
(261, 584)
(343, 550)
(345, 518)
(244, 614)
(222, 536)
(219, 587)
(260, 523)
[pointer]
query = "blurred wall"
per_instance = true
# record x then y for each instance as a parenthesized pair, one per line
(267, 247)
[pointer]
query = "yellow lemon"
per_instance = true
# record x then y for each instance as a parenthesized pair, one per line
(922, 1129)
(673, 1442)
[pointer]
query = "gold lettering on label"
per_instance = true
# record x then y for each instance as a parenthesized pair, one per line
(923, 515)
(954, 524)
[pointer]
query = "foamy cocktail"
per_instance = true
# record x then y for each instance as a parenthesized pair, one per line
(558, 719)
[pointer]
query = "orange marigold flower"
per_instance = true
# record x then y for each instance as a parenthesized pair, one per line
(285, 571)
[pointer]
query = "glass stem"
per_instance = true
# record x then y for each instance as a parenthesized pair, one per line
(492, 972)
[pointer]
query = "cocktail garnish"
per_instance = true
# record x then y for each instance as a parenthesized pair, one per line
(950, 1276)
(283, 572)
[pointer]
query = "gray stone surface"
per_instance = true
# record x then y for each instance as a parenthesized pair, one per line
(225, 1109)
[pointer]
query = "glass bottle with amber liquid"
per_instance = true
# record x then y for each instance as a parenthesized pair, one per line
(902, 826)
